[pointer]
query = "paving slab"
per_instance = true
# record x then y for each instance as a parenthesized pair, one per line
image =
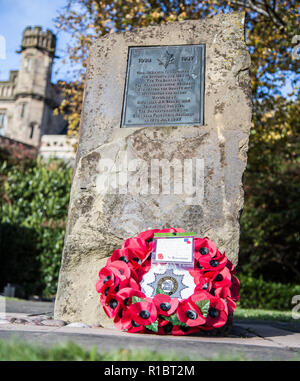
(104, 339)
(275, 335)
(268, 340)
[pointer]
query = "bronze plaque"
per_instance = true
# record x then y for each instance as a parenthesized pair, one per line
(164, 86)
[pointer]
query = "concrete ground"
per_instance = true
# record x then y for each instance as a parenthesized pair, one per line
(254, 339)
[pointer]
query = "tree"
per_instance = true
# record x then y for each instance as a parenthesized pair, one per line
(270, 28)
(273, 165)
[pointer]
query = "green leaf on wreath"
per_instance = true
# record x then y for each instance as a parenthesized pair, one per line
(203, 306)
(136, 299)
(160, 291)
(174, 320)
(153, 326)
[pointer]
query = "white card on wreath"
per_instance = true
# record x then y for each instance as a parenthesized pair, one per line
(174, 250)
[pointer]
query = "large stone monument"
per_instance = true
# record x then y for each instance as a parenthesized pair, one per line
(163, 143)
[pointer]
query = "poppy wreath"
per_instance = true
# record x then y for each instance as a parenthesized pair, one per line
(213, 302)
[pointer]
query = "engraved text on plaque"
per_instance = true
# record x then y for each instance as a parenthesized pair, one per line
(164, 86)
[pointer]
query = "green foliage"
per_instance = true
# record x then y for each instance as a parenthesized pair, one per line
(270, 233)
(203, 306)
(270, 221)
(153, 326)
(34, 204)
(259, 294)
(175, 320)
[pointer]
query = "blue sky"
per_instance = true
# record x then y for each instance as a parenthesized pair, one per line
(15, 15)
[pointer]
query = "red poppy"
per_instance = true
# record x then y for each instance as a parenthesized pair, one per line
(146, 265)
(201, 279)
(136, 328)
(221, 278)
(143, 313)
(203, 284)
(127, 293)
(204, 247)
(106, 272)
(101, 286)
(190, 314)
(134, 284)
(165, 327)
(132, 259)
(148, 235)
(226, 295)
(112, 305)
(230, 266)
(106, 276)
(235, 287)
(165, 305)
(121, 271)
(124, 322)
(216, 263)
(217, 313)
(122, 319)
(199, 296)
(108, 288)
(179, 330)
(138, 246)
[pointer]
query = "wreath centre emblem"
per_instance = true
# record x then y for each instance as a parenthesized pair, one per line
(168, 284)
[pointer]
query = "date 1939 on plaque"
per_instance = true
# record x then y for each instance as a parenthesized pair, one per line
(164, 86)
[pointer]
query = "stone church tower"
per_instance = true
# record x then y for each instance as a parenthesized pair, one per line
(28, 98)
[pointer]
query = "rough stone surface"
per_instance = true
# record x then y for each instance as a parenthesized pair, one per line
(54, 323)
(21, 321)
(99, 221)
(40, 318)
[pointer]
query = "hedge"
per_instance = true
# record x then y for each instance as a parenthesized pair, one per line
(34, 205)
(257, 293)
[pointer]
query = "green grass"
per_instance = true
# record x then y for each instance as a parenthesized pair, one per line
(19, 351)
(16, 350)
(259, 314)
(13, 299)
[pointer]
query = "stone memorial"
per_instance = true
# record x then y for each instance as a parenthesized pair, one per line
(163, 143)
